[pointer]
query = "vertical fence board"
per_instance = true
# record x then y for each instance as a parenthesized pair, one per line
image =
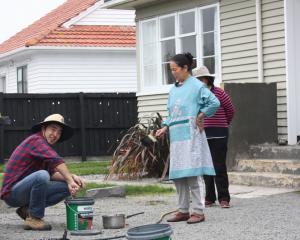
(82, 127)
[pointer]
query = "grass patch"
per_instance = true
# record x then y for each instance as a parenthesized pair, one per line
(2, 166)
(131, 190)
(89, 168)
(82, 168)
(135, 190)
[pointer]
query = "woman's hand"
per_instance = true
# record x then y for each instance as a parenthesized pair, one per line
(161, 132)
(200, 121)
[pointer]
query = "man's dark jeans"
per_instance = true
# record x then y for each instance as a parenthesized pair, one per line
(37, 192)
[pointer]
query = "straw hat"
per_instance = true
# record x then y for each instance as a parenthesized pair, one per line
(202, 72)
(67, 131)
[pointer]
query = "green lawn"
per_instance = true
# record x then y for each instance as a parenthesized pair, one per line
(89, 168)
(81, 168)
(2, 168)
(131, 190)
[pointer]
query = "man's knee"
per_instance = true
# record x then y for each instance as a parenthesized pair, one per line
(42, 176)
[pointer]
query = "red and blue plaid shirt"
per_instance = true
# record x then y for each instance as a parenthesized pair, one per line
(32, 155)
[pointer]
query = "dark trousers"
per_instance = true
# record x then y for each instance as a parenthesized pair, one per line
(218, 149)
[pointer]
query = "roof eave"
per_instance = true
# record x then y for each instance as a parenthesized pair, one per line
(125, 4)
(9, 55)
(69, 48)
(80, 16)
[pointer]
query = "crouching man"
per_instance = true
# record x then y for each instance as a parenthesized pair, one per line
(36, 177)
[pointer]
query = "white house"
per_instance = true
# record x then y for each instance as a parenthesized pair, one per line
(241, 41)
(77, 47)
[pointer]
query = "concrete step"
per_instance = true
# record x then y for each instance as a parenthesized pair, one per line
(268, 151)
(286, 166)
(265, 179)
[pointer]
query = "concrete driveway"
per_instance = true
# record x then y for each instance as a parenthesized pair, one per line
(256, 213)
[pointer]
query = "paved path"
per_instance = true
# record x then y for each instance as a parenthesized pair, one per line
(256, 213)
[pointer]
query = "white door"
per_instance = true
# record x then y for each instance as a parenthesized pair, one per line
(292, 11)
(2, 84)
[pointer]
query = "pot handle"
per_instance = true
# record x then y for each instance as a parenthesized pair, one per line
(129, 216)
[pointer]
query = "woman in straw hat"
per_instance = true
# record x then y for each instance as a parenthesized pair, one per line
(216, 129)
(36, 176)
(190, 158)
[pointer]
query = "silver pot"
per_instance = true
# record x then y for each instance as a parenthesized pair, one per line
(117, 221)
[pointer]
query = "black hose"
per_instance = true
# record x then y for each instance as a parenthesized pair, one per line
(108, 238)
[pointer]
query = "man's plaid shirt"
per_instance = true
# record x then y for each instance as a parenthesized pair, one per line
(32, 155)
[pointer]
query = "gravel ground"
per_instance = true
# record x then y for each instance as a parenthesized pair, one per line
(268, 217)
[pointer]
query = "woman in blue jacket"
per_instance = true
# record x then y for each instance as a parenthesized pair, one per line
(189, 101)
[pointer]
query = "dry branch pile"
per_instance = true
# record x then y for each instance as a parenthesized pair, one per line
(139, 154)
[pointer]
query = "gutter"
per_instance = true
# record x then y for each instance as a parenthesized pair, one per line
(7, 56)
(114, 3)
(259, 42)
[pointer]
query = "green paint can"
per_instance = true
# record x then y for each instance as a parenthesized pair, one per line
(79, 213)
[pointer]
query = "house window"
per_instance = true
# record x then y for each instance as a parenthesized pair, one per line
(22, 79)
(194, 30)
(2, 84)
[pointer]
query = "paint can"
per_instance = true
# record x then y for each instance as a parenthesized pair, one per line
(79, 213)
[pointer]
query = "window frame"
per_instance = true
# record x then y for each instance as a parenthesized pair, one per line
(160, 40)
(3, 80)
(159, 86)
(24, 81)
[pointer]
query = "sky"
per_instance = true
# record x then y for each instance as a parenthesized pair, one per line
(17, 14)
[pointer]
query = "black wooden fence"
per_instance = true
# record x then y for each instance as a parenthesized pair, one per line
(97, 118)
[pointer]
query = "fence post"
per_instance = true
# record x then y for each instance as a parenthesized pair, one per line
(1, 131)
(82, 127)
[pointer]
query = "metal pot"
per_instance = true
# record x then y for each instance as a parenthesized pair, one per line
(117, 221)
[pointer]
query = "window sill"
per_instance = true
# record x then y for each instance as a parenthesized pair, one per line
(165, 89)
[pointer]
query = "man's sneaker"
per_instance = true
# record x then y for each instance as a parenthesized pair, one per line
(179, 217)
(22, 212)
(32, 223)
(224, 204)
(209, 203)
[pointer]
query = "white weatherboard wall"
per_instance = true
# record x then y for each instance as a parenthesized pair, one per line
(10, 74)
(9, 70)
(79, 72)
(273, 36)
(150, 104)
(238, 41)
(239, 47)
(108, 17)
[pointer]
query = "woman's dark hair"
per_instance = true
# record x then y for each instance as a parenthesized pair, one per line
(210, 80)
(183, 59)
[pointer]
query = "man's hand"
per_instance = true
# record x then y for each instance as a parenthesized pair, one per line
(73, 185)
(73, 188)
(161, 132)
(79, 181)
